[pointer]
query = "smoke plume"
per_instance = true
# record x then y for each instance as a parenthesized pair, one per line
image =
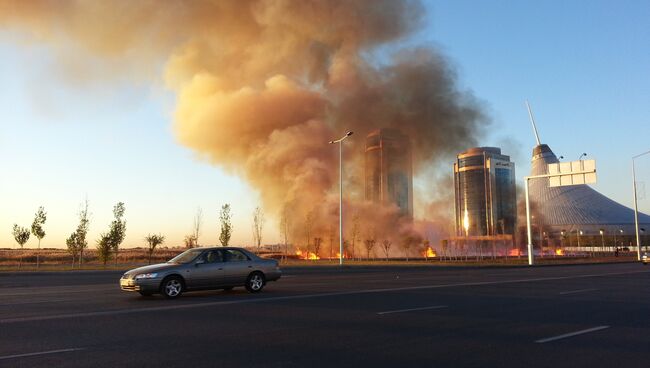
(262, 86)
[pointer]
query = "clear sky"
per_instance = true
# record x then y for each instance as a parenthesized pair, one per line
(583, 65)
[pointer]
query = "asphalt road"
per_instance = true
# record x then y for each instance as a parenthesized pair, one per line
(559, 316)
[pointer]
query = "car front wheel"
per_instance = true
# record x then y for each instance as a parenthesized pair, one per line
(255, 282)
(171, 287)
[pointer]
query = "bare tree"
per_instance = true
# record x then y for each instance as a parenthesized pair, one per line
(407, 243)
(330, 232)
(225, 218)
(37, 230)
(153, 241)
(189, 241)
(258, 226)
(370, 242)
(285, 227)
(444, 244)
(309, 223)
(355, 232)
(427, 247)
(198, 222)
(21, 235)
(386, 244)
(317, 243)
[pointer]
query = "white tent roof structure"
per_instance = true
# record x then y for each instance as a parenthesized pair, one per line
(578, 206)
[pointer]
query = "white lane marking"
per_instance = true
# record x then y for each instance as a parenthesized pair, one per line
(39, 353)
(60, 290)
(294, 297)
(571, 334)
(412, 309)
(37, 302)
(576, 291)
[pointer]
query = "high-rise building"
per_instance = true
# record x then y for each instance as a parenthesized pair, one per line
(484, 182)
(389, 171)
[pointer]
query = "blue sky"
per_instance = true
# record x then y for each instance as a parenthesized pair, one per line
(583, 65)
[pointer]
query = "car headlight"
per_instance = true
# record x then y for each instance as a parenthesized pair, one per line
(146, 276)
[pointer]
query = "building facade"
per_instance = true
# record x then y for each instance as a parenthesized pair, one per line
(485, 193)
(577, 208)
(389, 169)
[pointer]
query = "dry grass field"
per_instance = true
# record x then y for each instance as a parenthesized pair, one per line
(52, 259)
(55, 258)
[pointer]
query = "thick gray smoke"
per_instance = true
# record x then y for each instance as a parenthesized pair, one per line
(262, 86)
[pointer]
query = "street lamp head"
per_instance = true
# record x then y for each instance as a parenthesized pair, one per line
(601, 231)
(349, 133)
(581, 232)
(582, 155)
(331, 142)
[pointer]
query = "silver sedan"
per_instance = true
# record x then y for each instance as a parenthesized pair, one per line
(203, 269)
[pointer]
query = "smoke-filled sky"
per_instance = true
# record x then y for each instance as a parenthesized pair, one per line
(195, 104)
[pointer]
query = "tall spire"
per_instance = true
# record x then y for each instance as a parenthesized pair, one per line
(532, 120)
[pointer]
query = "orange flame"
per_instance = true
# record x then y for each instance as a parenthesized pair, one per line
(308, 255)
(429, 253)
(559, 252)
(515, 252)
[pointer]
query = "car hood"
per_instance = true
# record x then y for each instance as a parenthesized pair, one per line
(151, 268)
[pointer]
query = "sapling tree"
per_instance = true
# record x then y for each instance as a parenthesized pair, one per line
(38, 231)
(21, 235)
(386, 244)
(73, 247)
(196, 228)
(82, 230)
(117, 231)
(258, 226)
(104, 248)
(153, 241)
(225, 219)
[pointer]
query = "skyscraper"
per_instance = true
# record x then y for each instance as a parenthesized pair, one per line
(389, 171)
(484, 182)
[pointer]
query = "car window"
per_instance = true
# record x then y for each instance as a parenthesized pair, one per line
(212, 256)
(236, 256)
(186, 257)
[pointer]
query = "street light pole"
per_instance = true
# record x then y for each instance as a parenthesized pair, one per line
(636, 208)
(340, 142)
(528, 229)
(602, 240)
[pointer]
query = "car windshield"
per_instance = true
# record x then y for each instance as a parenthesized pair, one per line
(186, 257)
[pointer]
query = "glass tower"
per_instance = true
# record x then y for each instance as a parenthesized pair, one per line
(484, 182)
(389, 172)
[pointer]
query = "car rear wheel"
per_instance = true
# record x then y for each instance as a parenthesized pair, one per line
(255, 282)
(171, 287)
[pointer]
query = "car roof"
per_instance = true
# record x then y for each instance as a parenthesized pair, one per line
(217, 247)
